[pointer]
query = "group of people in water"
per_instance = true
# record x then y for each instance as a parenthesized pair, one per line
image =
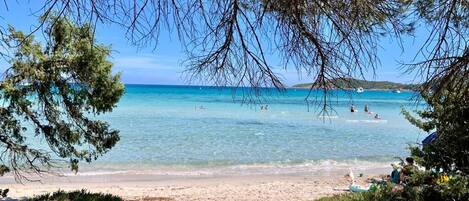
(367, 110)
(266, 107)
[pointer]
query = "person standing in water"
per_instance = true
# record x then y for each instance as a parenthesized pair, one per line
(366, 108)
(352, 108)
(377, 116)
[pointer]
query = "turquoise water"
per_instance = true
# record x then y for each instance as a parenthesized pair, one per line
(165, 126)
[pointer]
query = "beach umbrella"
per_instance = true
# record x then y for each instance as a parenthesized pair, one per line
(430, 138)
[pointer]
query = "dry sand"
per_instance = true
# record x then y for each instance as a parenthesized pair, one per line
(147, 185)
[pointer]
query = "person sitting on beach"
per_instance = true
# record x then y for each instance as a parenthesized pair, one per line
(353, 187)
(407, 170)
(352, 108)
(377, 116)
(366, 108)
(395, 174)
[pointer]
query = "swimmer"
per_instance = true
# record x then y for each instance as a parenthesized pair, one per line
(377, 116)
(352, 108)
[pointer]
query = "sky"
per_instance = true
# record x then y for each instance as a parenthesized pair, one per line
(163, 64)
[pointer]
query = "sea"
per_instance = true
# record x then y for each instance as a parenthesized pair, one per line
(190, 127)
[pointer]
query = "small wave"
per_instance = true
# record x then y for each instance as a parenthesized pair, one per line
(366, 121)
(259, 134)
(96, 173)
(328, 117)
(250, 123)
(279, 167)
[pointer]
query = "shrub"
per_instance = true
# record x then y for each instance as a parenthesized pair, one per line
(422, 186)
(79, 195)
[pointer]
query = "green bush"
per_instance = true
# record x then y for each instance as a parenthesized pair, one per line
(79, 195)
(422, 186)
(380, 193)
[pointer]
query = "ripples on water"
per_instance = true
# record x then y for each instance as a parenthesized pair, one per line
(165, 126)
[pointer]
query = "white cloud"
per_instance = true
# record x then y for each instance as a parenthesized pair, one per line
(148, 69)
(145, 62)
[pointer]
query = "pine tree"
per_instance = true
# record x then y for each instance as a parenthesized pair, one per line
(56, 89)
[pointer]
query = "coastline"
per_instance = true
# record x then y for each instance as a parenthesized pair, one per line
(354, 89)
(252, 183)
(171, 149)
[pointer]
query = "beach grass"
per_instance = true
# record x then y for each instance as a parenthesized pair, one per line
(345, 197)
(380, 193)
(363, 196)
(84, 195)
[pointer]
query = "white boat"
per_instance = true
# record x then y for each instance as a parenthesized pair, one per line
(360, 90)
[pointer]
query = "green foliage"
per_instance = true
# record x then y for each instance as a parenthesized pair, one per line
(431, 11)
(82, 195)
(4, 169)
(448, 115)
(422, 187)
(380, 193)
(368, 16)
(57, 88)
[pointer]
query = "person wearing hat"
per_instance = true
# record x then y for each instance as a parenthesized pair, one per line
(395, 174)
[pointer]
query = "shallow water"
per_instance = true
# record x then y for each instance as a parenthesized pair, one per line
(179, 126)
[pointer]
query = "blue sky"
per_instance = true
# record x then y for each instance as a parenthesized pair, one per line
(163, 65)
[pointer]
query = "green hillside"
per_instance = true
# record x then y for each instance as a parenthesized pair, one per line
(351, 83)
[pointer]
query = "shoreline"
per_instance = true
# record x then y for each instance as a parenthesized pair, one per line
(238, 185)
(232, 169)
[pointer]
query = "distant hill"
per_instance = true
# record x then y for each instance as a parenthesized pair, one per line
(351, 83)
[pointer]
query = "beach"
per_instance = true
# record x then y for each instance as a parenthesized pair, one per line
(201, 143)
(252, 184)
(118, 100)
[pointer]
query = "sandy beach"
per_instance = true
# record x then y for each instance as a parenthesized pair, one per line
(194, 185)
